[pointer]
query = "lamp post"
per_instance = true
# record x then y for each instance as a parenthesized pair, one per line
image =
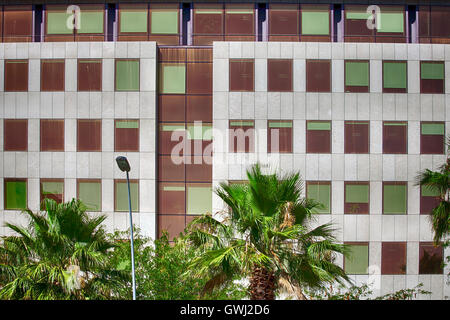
(123, 164)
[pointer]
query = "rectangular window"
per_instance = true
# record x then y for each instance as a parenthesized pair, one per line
(432, 138)
(432, 77)
(395, 137)
(172, 107)
(395, 77)
(52, 189)
(391, 24)
(430, 258)
(320, 191)
(279, 138)
(56, 26)
(318, 76)
(315, 22)
(242, 74)
(173, 225)
(133, 22)
(16, 75)
(199, 168)
(171, 135)
(199, 78)
(172, 79)
(199, 108)
(356, 137)
(318, 136)
(52, 135)
(126, 135)
(429, 199)
(15, 196)
(355, 27)
(198, 198)
(199, 137)
(17, 23)
(164, 24)
(358, 260)
(208, 24)
(242, 136)
(284, 22)
(170, 170)
(89, 192)
(52, 75)
(395, 197)
(15, 135)
(92, 23)
(239, 22)
(89, 135)
(89, 75)
(127, 75)
(433, 24)
(393, 258)
(356, 197)
(172, 198)
(279, 75)
(121, 195)
(356, 76)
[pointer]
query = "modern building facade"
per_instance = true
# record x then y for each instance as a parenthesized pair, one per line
(355, 99)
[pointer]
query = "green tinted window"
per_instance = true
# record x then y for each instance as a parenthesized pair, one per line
(57, 23)
(199, 132)
(49, 188)
(315, 23)
(122, 196)
(16, 195)
(358, 260)
(90, 193)
(164, 22)
(433, 128)
(357, 73)
(173, 78)
(320, 193)
(133, 21)
(394, 199)
(199, 199)
(432, 70)
(318, 125)
(355, 193)
(391, 22)
(91, 22)
(429, 192)
(127, 75)
(394, 75)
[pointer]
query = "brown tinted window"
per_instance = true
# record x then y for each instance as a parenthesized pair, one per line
(52, 189)
(170, 170)
(318, 76)
(395, 137)
(356, 137)
(395, 30)
(241, 75)
(170, 137)
(15, 135)
(126, 137)
(199, 108)
(393, 258)
(432, 77)
(284, 23)
(429, 199)
(242, 136)
(52, 135)
(92, 27)
(208, 23)
(199, 78)
(279, 75)
(356, 197)
(89, 135)
(18, 23)
(198, 168)
(430, 258)
(172, 198)
(240, 22)
(318, 136)
(52, 75)
(355, 28)
(432, 135)
(16, 75)
(172, 107)
(433, 24)
(89, 75)
(279, 138)
(173, 225)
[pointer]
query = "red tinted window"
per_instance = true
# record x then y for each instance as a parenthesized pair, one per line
(279, 138)
(52, 135)
(89, 135)
(430, 258)
(239, 22)
(173, 225)
(198, 168)
(279, 75)
(395, 137)
(318, 75)
(52, 75)
(16, 75)
(242, 136)
(318, 136)
(15, 135)
(356, 195)
(356, 137)
(432, 136)
(89, 75)
(432, 77)
(429, 199)
(172, 198)
(199, 108)
(126, 137)
(355, 28)
(433, 24)
(199, 78)
(171, 169)
(172, 138)
(284, 22)
(241, 75)
(208, 23)
(172, 107)
(393, 258)
(17, 23)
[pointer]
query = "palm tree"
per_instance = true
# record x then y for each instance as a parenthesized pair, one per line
(439, 183)
(265, 236)
(62, 254)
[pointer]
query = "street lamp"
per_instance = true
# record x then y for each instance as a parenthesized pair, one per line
(123, 164)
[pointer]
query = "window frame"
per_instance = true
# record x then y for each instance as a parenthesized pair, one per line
(394, 183)
(23, 87)
(24, 137)
(393, 123)
(5, 191)
(320, 183)
(355, 88)
(99, 181)
(347, 205)
(395, 90)
(308, 147)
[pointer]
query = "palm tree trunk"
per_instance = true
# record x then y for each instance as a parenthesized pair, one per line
(262, 284)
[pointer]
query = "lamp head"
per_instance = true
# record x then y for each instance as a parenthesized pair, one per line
(123, 164)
